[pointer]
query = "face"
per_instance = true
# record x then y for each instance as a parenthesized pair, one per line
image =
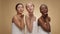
(44, 10)
(20, 9)
(30, 8)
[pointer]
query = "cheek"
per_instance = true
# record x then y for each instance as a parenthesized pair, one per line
(22, 9)
(28, 9)
(47, 10)
(18, 9)
(42, 11)
(32, 7)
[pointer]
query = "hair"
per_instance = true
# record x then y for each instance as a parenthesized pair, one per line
(43, 5)
(18, 5)
(31, 3)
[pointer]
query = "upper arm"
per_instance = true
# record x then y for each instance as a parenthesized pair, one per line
(16, 21)
(12, 20)
(38, 22)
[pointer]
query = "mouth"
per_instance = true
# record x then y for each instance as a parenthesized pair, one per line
(45, 13)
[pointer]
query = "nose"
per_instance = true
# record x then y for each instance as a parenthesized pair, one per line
(45, 10)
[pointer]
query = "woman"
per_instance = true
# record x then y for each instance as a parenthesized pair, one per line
(18, 20)
(31, 24)
(44, 20)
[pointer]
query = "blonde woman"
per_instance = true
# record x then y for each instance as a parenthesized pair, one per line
(31, 24)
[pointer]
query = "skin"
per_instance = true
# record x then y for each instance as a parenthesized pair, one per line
(18, 19)
(30, 18)
(44, 20)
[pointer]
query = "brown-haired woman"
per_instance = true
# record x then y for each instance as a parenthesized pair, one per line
(18, 20)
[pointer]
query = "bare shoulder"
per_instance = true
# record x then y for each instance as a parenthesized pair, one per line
(14, 18)
(39, 19)
(49, 18)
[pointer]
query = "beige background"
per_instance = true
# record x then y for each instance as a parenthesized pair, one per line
(7, 11)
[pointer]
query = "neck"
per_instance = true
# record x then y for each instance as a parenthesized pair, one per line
(20, 15)
(31, 15)
(45, 16)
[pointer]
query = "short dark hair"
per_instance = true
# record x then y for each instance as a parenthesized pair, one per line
(17, 5)
(43, 5)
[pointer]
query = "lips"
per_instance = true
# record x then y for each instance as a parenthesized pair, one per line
(45, 12)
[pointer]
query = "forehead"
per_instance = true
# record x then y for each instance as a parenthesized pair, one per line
(20, 5)
(43, 6)
(29, 4)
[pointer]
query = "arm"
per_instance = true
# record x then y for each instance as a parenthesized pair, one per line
(45, 26)
(29, 26)
(17, 22)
